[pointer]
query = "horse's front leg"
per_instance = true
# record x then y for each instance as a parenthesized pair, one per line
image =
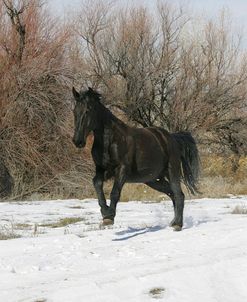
(98, 182)
(119, 181)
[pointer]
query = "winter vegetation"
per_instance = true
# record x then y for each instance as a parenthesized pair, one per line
(160, 67)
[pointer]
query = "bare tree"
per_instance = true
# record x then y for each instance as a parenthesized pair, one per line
(159, 72)
(18, 26)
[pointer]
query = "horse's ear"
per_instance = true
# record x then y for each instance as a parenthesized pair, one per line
(94, 92)
(75, 94)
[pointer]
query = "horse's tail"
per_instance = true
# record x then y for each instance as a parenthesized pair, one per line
(190, 160)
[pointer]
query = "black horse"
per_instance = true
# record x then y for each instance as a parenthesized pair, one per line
(136, 155)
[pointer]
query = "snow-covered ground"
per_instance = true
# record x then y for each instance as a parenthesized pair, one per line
(138, 259)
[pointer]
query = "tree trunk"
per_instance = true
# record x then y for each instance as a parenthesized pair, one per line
(6, 181)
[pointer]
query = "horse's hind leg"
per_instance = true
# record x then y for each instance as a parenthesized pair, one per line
(178, 196)
(177, 222)
(162, 186)
(173, 190)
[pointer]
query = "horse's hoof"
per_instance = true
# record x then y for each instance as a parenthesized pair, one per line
(107, 221)
(171, 224)
(177, 228)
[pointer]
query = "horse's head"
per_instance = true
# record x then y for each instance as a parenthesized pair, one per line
(85, 115)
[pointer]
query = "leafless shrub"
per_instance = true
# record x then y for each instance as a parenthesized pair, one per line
(7, 232)
(159, 72)
(35, 121)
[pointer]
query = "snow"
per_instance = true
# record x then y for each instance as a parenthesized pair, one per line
(138, 259)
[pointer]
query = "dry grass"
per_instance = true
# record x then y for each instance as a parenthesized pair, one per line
(216, 187)
(157, 292)
(7, 236)
(213, 166)
(77, 207)
(242, 170)
(240, 209)
(141, 192)
(22, 226)
(8, 232)
(63, 222)
(217, 181)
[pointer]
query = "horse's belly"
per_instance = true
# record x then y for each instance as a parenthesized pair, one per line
(146, 171)
(142, 176)
(149, 161)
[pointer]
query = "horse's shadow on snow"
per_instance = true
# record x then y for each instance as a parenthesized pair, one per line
(189, 222)
(135, 231)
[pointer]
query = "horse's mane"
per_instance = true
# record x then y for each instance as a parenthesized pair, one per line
(105, 113)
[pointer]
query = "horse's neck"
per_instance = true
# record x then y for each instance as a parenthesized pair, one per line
(108, 125)
(105, 130)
